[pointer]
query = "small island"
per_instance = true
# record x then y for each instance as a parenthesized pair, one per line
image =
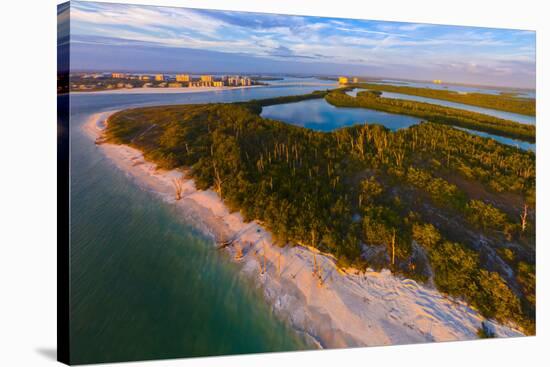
(430, 202)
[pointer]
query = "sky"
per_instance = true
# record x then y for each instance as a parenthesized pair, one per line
(121, 37)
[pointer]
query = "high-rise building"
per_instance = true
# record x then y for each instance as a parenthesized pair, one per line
(183, 78)
(233, 80)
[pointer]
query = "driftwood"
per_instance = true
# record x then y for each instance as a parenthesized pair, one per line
(239, 254)
(178, 187)
(100, 140)
(224, 244)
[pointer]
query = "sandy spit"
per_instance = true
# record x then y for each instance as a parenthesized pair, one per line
(345, 308)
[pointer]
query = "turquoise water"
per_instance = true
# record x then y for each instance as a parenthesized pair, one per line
(145, 284)
(318, 114)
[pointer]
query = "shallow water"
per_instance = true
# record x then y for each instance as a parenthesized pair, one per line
(146, 284)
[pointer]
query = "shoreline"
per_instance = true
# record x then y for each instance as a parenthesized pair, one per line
(346, 309)
(167, 90)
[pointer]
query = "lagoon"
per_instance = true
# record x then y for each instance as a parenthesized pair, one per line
(318, 114)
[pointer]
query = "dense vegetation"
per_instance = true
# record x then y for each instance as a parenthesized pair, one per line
(434, 113)
(257, 104)
(431, 202)
(508, 102)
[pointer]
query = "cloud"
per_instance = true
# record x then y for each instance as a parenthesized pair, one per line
(362, 43)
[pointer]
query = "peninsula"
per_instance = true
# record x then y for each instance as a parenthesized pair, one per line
(429, 203)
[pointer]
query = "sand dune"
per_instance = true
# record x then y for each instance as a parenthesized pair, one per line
(344, 308)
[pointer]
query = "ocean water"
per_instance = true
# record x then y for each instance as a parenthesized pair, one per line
(145, 284)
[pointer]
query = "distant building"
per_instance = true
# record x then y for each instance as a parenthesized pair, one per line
(217, 83)
(437, 81)
(118, 75)
(128, 86)
(159, 77)
(246, 81)
(206, 78)
(343, 80)
(175, 85)
(199, 84)
(183, 78)
(144, 77)
(233, 80)
(355, 80)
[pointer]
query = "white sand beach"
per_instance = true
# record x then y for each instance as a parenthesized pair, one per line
(346, 309)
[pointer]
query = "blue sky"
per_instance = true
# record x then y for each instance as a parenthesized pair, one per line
(144, 38)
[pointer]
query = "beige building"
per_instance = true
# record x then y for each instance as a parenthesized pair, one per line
(206, 78)
(355, 80)
(175, 85)
(437, 81)
(144, 77)
(118, 75)
(159, 77)
(217, 83)
(199, 84)
(343, 80)
(233, 80)
(183, 78)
